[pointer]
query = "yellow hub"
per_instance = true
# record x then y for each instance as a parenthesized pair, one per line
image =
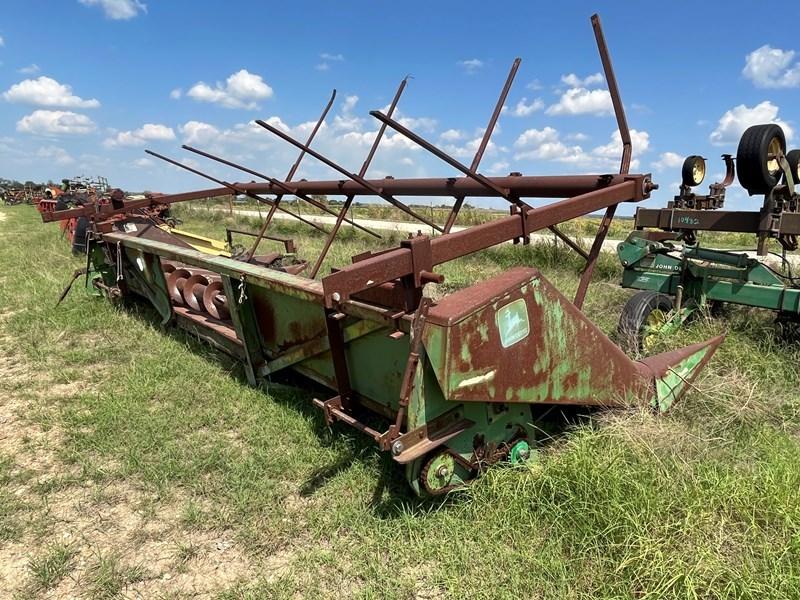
(653, 325)
(774, 150)
(698, 171)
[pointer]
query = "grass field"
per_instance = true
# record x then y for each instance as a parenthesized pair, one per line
(136, 462)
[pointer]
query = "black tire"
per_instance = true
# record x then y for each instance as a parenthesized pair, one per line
(632, 325)
(752, 158)
(62, 203)
(687, 171)
(793, 158)
(79, 240)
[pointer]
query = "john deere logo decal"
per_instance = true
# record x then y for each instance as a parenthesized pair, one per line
(512, 322)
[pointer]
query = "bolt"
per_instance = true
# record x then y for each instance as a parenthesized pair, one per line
(442, 472)
(397, 448)
(336, 296)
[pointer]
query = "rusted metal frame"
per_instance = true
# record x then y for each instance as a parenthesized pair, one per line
(288, 243)
(245, 323)
(573, 245)
(375, 190)
(233, 187)
(673, 219)
(625, 161)
(185, 320)
(521, 186)
(470, 172)
(476, 160)
(409, 375)
(483, 181)
(289, 176)
(537, 186)
(362, 172)
(282, 186)
(333, 322)
(319, 345)
(370, 272)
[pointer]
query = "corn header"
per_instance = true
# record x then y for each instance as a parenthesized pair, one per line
(447, 387)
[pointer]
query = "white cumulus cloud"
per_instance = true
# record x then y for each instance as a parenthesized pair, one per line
(118, 10)
(573, 80)
(769, 67)
(197, 132)
(524, 108)
(547, 144)
(580, 100)
(55, 154)
(472, 65)
(55, 123)
(668, 160)
(241, 90)
(44, 91)
(149, 132)
(732, 124)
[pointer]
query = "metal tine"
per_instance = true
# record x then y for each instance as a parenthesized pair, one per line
(401, 129)
(357, 178)
(289, 176)
(362, 172)
(233, 188)
(470, 172)
(625, 162)
(280, 184)
(476, 160)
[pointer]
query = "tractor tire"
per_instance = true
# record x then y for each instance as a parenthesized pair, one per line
(62, 204)
(79, 238)
(793, 158)
(636, 317)
(758, 174)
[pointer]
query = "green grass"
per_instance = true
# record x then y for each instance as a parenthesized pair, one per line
(698, 503)
(51, 566)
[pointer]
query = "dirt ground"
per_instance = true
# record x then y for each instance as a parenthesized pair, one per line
(121, 538)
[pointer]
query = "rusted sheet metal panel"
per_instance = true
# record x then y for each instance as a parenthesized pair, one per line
(515, 338)
(290, 284)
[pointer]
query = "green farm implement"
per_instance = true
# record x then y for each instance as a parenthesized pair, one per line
(677, 276)
(447, 387)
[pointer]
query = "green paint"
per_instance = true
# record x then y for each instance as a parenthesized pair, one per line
(670, 387)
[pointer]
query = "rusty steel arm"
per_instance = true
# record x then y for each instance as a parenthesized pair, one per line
(281, 185)
(476, 160)
(484, 181)
(233, 188)
(470, 172)
(290, 175)
(375, 191)
(625, 162)
(362, 172)
(522, 186)
(375, 270)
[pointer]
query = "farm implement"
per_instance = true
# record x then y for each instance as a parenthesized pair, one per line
(677, 277)
(446, 386)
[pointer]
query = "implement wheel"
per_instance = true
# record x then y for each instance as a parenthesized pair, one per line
(694, 170)
(756, 158)
(642, 319)
(793, 158)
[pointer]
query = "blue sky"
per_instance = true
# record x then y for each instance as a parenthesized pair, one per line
(86, 85)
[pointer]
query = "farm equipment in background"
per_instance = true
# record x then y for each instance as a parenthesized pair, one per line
(76, 192)
(678, 277)
(448, 387)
